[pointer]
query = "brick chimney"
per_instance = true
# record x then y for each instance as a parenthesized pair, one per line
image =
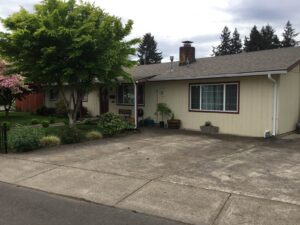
(186, 53)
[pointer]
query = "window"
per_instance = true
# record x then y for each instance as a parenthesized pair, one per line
(126, 94)
(221, 97)
(53, 94)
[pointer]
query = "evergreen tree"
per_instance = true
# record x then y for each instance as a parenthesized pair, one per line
(225, 47)
(147, 51)
(236, 43)
(269, 38)
(289, 36)
(254, 42)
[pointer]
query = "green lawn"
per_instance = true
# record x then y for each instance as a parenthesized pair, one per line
(25, 118)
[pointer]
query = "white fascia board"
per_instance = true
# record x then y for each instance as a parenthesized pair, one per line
(263, 73)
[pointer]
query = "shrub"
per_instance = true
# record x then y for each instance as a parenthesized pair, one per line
(52, 120)
(35, 121)
(7, 124)
(70, 135)
(90, 122)
(45, 123)
(49, 141)
(93, 135)
(25, 138)
(61, 109)
(111, 124)
(44, 111)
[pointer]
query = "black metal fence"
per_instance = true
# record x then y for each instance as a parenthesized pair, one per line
(3, 138)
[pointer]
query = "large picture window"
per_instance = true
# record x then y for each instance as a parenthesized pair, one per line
(222, 97)
(126, 94)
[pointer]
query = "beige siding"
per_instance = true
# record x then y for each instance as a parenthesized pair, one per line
(255, 114)
(92, 104)
(289, 101)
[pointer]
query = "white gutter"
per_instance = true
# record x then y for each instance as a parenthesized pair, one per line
(275, 89)
(262, 73)
(135, 105)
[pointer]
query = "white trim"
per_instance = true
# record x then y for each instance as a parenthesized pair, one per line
(263, 73)
(135, 106)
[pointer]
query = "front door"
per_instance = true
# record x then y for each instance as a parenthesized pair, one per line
(104, 100)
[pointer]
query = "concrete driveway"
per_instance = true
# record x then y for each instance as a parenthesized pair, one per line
(180, 175)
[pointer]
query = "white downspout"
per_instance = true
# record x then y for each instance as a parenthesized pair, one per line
(135, 105)
(274, 103)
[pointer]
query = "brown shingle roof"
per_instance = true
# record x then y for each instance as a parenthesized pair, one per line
(261, 61)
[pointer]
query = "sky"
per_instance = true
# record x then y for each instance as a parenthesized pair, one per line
(174, 21)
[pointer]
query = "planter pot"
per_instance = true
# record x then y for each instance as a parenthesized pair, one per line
(209, 129)
(298, 128)
(173, 124)
(162, 124)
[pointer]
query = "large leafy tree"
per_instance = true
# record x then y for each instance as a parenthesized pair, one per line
(289, 35)
(236, 43)
(254, 42)
(64, 43)
(269, 38)
(147, 51)
(224, 48)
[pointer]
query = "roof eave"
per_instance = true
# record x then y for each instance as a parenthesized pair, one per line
(260, 73)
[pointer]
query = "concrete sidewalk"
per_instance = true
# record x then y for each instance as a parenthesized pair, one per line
(182, 176)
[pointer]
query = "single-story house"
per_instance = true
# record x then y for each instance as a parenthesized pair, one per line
(248, 94)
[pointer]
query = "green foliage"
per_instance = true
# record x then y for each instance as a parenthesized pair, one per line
(225, 47)
(45, 123)
(229, 45)
(269, 38)
(7, 124)
(236, 43)
(70, 135)
(163, 110)
(147, 51)
(44, 111)
(68, 42)
(49, 141)
(93, 135)
(52, 120)
(25, 138)
(111, 124)
(34, 122)
(90, 122)
(61, 109)
(289, 35)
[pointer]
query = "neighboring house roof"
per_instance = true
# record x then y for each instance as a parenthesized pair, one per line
(244, 64)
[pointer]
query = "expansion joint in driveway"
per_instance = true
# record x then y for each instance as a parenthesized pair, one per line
(26, 178)
(221, 209)
(132, 193)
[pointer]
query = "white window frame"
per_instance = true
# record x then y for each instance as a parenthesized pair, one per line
(128, 104)
(224, 97)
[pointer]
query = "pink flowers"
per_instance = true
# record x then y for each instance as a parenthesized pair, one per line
(14, 83)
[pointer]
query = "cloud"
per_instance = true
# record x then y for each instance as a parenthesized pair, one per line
(264, 11)
(14, 5)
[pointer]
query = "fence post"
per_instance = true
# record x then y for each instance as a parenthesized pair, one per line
(5, 137)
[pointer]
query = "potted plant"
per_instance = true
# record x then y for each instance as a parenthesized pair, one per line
(208, 128)
(173, 123)
(163, 110)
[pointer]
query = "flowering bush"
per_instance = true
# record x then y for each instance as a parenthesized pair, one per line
(12, 88)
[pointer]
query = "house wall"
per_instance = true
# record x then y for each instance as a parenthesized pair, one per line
(93, 103)
(253, 119)
(289, 101)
